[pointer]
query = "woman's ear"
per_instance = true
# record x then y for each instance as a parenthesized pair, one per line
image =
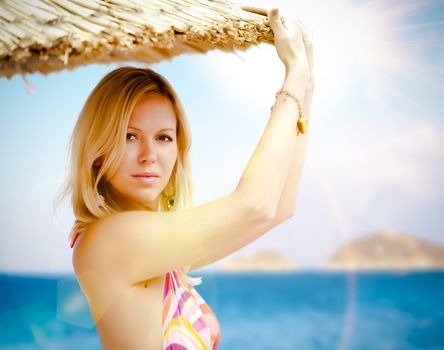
(98, 161)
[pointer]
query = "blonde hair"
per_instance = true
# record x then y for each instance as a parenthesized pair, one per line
(99, 136)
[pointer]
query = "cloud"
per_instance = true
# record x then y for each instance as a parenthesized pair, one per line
(402, 167)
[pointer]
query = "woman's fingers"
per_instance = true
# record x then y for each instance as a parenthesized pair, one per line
(289, 41)
(275, 22)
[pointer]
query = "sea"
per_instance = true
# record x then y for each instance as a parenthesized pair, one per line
(309, 310)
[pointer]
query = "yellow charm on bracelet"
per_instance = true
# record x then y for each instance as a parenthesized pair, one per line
(302, 124)
(302, 121)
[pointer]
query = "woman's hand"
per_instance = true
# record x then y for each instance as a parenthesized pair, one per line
(293, 44)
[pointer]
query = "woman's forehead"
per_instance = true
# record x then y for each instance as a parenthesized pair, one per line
(152, 112)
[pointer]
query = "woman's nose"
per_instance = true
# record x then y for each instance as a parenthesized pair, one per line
(147, 152)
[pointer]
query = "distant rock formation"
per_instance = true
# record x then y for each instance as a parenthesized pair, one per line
(388, 250)
(267, 260)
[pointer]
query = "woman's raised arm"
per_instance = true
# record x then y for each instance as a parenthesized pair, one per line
(287, 201)
(284, 208)
(269, 167)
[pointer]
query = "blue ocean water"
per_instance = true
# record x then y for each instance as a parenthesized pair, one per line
(303, 310)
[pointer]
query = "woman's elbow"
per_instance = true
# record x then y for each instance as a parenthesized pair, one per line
(281, 217)
(256, 207)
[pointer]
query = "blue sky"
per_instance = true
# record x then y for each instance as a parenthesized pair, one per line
(375, 158)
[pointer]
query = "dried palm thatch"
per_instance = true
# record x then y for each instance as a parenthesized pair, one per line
(50, 35)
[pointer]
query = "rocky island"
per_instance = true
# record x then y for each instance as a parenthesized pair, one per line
(388, 250)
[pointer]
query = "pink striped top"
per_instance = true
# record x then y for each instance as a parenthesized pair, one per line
(187, 321)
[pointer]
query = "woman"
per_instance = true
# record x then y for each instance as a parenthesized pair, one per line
(137, 233)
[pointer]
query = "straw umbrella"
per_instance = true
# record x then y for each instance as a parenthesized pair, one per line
(50, 35)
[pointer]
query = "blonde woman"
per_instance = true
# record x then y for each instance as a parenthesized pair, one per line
(137, 233)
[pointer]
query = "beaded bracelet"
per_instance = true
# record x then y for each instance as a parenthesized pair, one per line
(302, 121)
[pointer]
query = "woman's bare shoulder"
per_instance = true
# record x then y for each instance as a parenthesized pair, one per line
(85, 248)
(96, 281)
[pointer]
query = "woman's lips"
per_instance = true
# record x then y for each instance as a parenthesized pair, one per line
(146, 179)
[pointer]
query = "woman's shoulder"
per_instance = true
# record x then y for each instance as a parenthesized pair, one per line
(85, 247)
(95, 279)
(89, 236)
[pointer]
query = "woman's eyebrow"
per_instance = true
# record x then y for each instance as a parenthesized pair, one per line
(132, 127)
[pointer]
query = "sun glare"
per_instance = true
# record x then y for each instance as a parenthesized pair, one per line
(364, 40)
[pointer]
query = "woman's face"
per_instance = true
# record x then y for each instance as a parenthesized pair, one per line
(151, 146)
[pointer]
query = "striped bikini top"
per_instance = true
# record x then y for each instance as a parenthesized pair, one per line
(187, 321)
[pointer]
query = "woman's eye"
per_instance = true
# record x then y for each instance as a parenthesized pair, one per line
(128, 136)
(169, 138)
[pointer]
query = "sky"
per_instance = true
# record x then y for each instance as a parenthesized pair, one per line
(375, 157)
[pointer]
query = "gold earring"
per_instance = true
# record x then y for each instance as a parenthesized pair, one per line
(170, 200)
(100, 200)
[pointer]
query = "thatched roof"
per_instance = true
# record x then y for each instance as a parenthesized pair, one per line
(51, 35)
